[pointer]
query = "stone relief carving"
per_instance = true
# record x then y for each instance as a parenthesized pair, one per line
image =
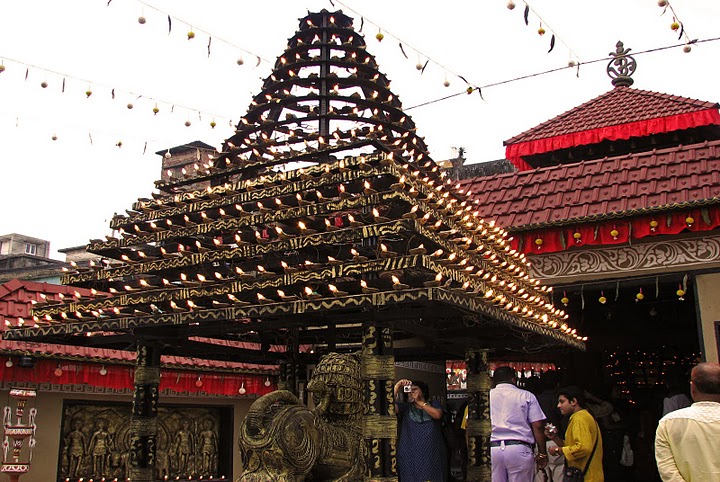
(95, 441)
(679, 254)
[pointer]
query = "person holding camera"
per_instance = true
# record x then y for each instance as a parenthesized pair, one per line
(421, 455)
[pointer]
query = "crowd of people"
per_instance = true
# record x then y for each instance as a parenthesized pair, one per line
(553, 433)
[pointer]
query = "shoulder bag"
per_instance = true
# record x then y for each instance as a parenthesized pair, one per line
(573, 474)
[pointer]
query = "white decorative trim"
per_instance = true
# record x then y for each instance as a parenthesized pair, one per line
(623, 261)
(422, 366)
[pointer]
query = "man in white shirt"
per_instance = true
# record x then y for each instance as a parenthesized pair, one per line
(517, 424)
(687, 443)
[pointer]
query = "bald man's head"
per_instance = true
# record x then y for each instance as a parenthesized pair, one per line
(706, 378)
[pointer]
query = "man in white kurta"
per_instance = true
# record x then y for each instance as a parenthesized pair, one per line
(687, 443)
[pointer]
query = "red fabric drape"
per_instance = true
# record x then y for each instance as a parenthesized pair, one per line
(597, 234)
(515, 152)
(121, 377)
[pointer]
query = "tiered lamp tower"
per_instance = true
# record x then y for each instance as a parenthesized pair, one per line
(322, 221)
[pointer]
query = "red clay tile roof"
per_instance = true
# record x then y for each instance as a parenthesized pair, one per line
(658, 180)
(16, 298)
(621, 105)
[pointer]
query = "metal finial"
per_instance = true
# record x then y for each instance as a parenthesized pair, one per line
(621, 67)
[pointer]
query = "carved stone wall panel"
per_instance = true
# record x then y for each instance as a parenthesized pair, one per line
(679, 255)
(95, 441)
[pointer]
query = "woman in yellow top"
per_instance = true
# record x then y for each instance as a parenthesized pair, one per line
(580, 437)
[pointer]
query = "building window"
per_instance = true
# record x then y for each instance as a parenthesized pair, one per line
(30, 248)
(4, 247)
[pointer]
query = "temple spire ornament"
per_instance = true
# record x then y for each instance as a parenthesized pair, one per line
(621, 67)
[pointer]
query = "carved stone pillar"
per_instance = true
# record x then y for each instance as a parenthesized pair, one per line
(478, 423)
(144, 424)
(379, 422)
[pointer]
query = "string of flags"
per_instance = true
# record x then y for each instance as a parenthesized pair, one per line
(407, 50)
(676, 25)
(192, 33)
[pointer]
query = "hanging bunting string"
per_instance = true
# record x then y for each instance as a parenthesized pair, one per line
(544, 26)
(113, 90)
(206, 32)
(403, 43)
(557, 69)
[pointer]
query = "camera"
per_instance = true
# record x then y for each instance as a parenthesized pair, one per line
(407, 388)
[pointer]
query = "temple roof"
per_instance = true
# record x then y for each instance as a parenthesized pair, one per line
(323, 210)
(653, 181)
(621, 105)
(620, 114)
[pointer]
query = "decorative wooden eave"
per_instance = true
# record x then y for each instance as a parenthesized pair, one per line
(270, 246)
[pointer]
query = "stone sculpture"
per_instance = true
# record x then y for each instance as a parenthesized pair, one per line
(281, 440)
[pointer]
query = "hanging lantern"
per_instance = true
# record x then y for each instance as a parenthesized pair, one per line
(675, 25)
(58, 371)
(267, 382)
(242, 390)
(689, 220)
(539, 243)
(379, 36)
(578, 236)
(103, 370)
(191, 35)
(212, 124)
(680, 293)
(602, 298)
(662, 3)
(141, 20)
(541, 30)
(511, 5)
(155, 109)
(639, 296)
(564, 300)
(2, 68)
(687, 48)
(653, 225)
(614, 233)
(198, 382)
(88, 92)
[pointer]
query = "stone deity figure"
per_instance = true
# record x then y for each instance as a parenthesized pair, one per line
(75, 447)
(184, 447)
(99, 447)
(208, 444)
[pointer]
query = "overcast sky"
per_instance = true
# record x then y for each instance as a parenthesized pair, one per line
(66, 190)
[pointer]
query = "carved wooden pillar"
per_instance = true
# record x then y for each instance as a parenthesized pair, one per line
(478, 423)
(291, 368)
(144, 424)
(379, 422)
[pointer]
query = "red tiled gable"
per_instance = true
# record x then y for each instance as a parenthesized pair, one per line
(16, 297)
(621, 113)
(657, 180)
(621, 105)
